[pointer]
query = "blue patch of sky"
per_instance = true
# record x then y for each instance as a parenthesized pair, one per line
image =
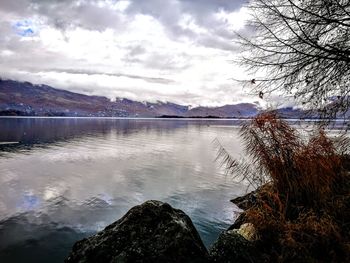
(25, 28)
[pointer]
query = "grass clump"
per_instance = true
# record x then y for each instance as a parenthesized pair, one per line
(301, 212)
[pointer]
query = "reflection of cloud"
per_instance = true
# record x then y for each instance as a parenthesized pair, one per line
(29, 202)
(52, 192)
(106, 198)
(24, 239)
(2, 207)
(95, 170)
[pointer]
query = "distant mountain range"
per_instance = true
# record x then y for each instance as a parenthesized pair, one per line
(26, 99)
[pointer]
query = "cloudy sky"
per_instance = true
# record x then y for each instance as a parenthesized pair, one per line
(169, 50)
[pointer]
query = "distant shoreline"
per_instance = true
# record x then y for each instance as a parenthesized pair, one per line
(161, 118)
(119, 118)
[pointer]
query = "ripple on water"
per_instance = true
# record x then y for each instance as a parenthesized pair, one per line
(69, 178)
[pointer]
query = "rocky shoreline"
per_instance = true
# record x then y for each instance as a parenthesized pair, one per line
(156, 232)
(301, 215)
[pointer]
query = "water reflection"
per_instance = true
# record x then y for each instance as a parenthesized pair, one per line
(68, 178)
(22, 240)
(46, 130)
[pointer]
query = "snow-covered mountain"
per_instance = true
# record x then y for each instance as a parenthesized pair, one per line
(24, 98)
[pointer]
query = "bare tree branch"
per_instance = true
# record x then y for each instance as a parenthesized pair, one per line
(304, 46)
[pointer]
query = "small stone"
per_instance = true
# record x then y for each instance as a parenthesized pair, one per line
(248, 231)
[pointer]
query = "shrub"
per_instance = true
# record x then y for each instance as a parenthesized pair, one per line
(302, 213)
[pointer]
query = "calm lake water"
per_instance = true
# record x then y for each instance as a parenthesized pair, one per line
(65, 179)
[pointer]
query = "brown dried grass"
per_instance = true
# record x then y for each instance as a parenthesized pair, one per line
(303, 213)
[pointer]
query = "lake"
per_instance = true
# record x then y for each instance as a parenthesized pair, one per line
(63, 179)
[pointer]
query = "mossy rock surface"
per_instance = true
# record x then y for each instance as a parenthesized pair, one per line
(151, 232)
(231, 247)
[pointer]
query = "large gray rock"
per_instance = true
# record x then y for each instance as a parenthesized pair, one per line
(232, 247)
(247, 201)
(151, 232)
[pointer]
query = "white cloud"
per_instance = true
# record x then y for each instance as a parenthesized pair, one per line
(234, 20)
(177, 50)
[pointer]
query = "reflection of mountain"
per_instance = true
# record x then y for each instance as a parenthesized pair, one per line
(23, 241)
(39, 237)
(41, 131)
(17, 98)
(239, 110)
(48, 233)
